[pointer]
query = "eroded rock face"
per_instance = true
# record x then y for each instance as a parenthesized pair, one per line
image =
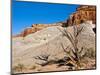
(34, 28)
(40, 47)
(83, 13)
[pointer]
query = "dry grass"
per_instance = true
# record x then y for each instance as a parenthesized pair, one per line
(19, 68)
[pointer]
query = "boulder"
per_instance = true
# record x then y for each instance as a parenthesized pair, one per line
(45, 46)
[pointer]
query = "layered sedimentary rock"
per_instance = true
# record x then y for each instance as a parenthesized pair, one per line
(45, 45)
(34, 28)
(82, 14)
(42, 42)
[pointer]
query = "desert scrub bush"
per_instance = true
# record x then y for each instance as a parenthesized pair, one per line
(19, 68)
(74, 41)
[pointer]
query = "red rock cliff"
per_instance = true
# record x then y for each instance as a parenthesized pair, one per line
(34, 28)
(83, 13)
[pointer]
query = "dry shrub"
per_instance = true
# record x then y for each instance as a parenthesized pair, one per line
(19, 67)
(76, 60)
(74, 41)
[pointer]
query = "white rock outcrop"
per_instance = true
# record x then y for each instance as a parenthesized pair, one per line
(45, 45)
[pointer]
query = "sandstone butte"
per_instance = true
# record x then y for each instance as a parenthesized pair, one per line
(83, 13)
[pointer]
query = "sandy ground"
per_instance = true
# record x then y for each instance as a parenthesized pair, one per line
(85, 64)
(44, 42)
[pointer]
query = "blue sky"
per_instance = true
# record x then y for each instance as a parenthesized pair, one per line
(24, 14)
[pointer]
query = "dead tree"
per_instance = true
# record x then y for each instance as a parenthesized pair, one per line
(74, 41)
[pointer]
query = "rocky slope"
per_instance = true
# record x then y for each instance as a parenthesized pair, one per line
(41, 44)
(83, 13)
(34, 28)
(44, 46)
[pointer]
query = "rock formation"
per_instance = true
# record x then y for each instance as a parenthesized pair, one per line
(34, 28)
(41, 48)
(83, 13)
(42, 43)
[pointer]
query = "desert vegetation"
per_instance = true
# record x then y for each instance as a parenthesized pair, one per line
(73, 39)
(56, 47)
(77, 58)
(19, 68)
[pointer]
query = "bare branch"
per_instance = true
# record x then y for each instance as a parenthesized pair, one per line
(68, 53)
